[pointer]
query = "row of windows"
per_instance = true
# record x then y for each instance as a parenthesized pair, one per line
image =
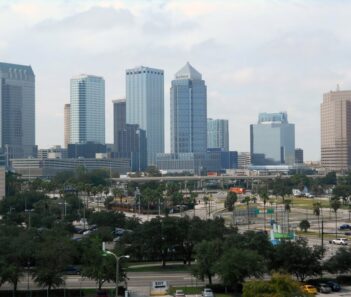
(144, 71)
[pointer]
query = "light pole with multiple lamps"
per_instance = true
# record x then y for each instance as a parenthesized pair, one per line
(106, 252)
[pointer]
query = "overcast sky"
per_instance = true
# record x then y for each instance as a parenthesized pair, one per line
(255, 56)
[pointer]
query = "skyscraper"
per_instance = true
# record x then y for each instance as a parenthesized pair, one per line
(17, 104)
(67, 124)
(145, 106)
(188, 112)
(87, 109)
(272, 140)
(336, 130)
(129, 140)
(218, 134)
(119, 119)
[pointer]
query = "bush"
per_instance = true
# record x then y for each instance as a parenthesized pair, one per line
(219, 288)
(344, 279)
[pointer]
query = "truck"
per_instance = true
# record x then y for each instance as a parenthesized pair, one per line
(237, 190)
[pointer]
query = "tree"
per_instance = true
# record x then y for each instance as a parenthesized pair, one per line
(16, 249)
(280, 285)
(317, 212)
(304, 225)
(95, 265)
(237, 264)
(53, 254)
(340, 262)
(297, 258)
(342, 191)
(206, 255)
(247, 200)
(230, 201)
(287, 210)
(264, 197)
(335, 205)
(153, 171)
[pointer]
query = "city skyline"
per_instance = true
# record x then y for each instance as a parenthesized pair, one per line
(287, 67)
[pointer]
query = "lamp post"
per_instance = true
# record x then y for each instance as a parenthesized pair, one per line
(106, 252)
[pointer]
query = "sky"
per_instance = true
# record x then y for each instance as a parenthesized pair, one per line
(255, 56)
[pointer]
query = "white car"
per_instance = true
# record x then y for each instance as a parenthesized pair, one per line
(207, 292)
(340, 241)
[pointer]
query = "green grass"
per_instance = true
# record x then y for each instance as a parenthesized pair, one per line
(160, 268)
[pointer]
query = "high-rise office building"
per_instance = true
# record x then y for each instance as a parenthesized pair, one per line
(244, 160)
(145, 106)
(119, 119)
(87, 109)
(336, 130)
(298, 156)
(129, 140)
(17, 111)
(218, 134)
(188, 112)
(272, 140)
(67, 124)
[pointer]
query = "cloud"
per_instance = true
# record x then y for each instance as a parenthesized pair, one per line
(254, 55)
(94, 19)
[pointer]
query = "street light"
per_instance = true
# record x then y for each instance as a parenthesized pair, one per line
(106, 252)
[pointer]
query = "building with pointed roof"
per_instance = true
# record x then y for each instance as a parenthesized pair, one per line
(188, 111)
(188, 72)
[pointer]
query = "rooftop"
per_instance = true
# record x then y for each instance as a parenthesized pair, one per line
(188, 72)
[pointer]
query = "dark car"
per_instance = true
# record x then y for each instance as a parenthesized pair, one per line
(334, 286)
(348, 233)
(345, 227)
(72, 270)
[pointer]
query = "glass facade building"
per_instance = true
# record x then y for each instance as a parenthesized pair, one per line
(218, 134)
(272, 140)
(129, 140)
(17, 111)
(188, 112)
(87, 109)
(145, 106)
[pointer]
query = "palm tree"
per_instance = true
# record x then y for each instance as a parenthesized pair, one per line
(265, 199)
(317, 212)
(287, 209)
(118, 192)
(247, 200)
(206, 199)
(335, 205)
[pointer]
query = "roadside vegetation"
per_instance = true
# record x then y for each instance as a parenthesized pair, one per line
(37, 234)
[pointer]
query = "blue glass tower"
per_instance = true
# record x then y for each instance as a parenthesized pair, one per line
(145, 106)
(87, 109)
(272, 140)
(188, 112)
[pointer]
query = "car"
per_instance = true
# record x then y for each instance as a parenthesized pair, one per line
(179, 293)
(324, 288)
(72, 270)
(334, 286)
(309, 289)
(345, 227)
(339, 241)
(207, 292)
(348, 233)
